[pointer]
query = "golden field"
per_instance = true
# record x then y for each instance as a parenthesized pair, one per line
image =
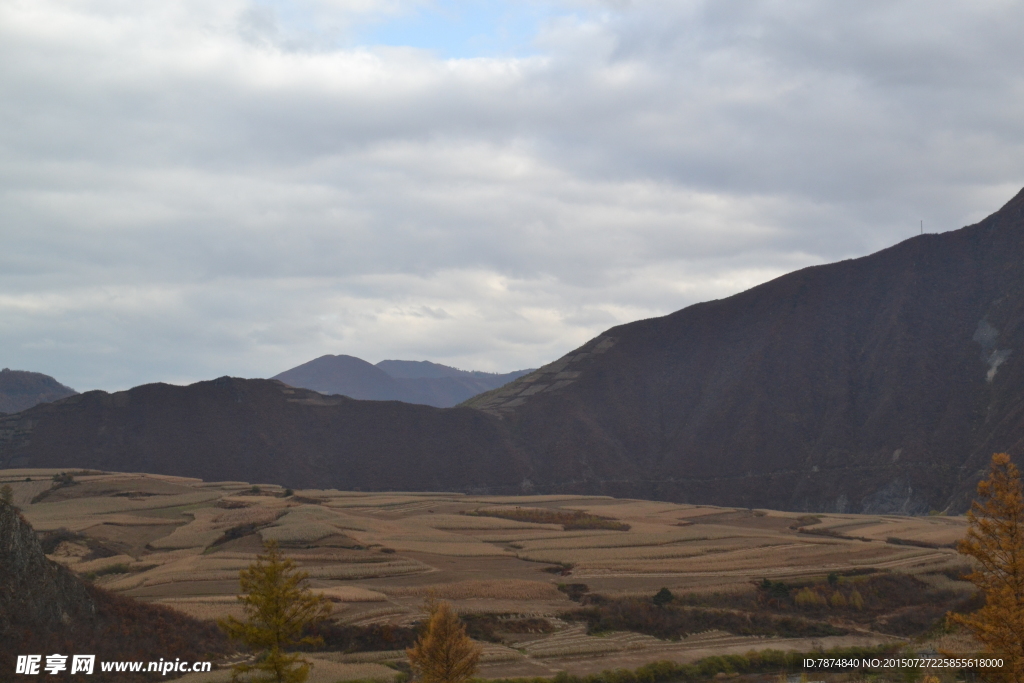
(377, 556)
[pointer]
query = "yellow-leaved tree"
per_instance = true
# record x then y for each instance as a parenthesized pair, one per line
(995, 539)
(444, 653)
(278, 607)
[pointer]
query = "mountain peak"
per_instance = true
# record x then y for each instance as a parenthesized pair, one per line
(20, 389)
(393, 380)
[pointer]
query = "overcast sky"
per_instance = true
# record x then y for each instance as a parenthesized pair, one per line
(190, 189)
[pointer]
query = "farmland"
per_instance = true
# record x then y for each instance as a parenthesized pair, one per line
(550, 583)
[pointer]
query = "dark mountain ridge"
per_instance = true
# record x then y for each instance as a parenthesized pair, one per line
(393, 380)
(878, 384)
(20, 390)
(269, 431)
(881, 383)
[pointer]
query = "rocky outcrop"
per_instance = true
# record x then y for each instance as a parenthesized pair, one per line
(35, 593)
(44, 608)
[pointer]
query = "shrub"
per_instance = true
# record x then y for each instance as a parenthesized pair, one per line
(663, 597)
(672, 621)
(808, 598)
(575, 591)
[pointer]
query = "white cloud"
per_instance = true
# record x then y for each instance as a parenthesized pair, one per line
(192, 189)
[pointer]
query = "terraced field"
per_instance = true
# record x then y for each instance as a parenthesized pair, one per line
(377, 556)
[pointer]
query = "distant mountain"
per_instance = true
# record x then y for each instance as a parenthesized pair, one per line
(20, 390)
(271, 432)
(879, 384)
(394, 380)
(344, 375)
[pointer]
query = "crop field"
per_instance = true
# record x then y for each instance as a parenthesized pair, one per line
(544, 594)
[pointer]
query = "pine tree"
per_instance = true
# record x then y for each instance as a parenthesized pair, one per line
(278, 606)
(995, 539)
(444, 653)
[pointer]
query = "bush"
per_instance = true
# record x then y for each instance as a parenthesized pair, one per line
(663, 597)
(575, 591)
(672, 622)
(807, 598)
(352, 638)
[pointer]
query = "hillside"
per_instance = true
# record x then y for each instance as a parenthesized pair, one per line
(20, 390)
(879, 384)
(268, 432)
(876, 384)
(46, 608)
(393, 380)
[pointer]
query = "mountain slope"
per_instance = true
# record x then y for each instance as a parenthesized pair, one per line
(393, 380)
(344, 375)
(880, 384)
(20, 390)
(270, 432)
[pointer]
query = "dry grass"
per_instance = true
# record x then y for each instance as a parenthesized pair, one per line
(211, 609)
(258, 514)
(574, 641)
(617, 540)
(471, 523)
(569, 519)
(518, 500)
(385, 501)
(198, 533)
(323, 671)
(367, 570)
(452, 549)
(306, 532)
(364, 657)
(470, 557)
(499, 589)
(105, 562)
(597, 555)
(351, 594)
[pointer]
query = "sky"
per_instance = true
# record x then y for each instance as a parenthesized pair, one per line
(192, 189)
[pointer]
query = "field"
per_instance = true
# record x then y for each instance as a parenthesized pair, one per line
(550, 583)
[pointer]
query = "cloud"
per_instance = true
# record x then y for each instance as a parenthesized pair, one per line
(190, 190)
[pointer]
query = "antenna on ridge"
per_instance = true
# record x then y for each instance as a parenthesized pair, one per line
(922, 226)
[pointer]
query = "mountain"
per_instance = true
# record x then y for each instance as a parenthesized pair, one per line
(44, 608)
(20, 390)
(270, 431)
(393, 380)
(883, 383)
(344, 375)
(878, 384)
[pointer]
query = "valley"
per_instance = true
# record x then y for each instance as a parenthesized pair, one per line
(549, 583)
